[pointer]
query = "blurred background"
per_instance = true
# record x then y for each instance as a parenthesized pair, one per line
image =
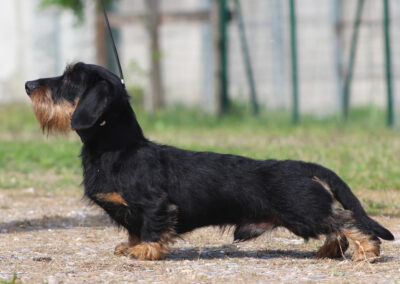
(286, 79)
(304, 56)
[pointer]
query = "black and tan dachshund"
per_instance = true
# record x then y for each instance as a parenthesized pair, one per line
(157, 192)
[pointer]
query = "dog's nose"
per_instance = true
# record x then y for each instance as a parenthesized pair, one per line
(31, 86)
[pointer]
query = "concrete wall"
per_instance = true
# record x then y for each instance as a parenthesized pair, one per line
(38, 42)
(188, 61)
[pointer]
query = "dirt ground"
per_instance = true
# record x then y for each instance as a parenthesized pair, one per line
(50, 237)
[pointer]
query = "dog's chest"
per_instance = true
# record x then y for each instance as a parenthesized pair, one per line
(98, 178)
(96, 181)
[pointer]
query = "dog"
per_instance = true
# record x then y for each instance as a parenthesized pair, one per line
(158, 192)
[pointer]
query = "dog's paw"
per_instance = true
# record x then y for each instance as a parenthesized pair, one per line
(122, 249)
(147, 251)
(362, 255)
(367, 250)
(333, 247)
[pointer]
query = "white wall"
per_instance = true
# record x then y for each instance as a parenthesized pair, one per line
(187, 62)
(39, 42)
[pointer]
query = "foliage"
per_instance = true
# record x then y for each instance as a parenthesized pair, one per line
(74, 5)
(14, 280)
(77, 6)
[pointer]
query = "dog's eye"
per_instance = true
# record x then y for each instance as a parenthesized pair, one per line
(67, 81)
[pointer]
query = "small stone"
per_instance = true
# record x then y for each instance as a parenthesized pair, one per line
(30, 190)
(42, 259)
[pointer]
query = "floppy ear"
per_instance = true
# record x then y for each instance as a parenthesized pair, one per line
(90, 106)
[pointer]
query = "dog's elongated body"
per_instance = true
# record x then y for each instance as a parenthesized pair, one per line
(157, 192)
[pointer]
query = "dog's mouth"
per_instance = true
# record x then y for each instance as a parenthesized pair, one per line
(53, 117)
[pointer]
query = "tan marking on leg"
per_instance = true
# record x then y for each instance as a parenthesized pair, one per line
(112, 197)
(366, 248)
(123, 248)
(137, 249)
(148, 251)
(334, 246)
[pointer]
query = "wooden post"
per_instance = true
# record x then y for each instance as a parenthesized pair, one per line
(101, 46)
(153, 23)
(220, 19)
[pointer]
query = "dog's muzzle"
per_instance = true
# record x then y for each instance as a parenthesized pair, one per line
(31, 86)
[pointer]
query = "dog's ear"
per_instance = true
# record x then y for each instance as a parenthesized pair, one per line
(90, 106)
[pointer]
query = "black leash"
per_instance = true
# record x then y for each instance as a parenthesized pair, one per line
(114, 47)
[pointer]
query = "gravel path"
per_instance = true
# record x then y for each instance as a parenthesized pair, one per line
(52, 238)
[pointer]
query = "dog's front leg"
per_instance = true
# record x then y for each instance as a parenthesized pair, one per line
(156, 232)
(125, 248)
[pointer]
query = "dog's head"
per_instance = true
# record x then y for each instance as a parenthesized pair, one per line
(75, 100)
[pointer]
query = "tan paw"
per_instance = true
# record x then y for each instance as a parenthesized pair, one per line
(361, 255)
(122, 249)
(333, 247)
(147, 251)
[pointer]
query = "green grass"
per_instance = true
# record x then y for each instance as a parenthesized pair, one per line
(362, 151)
(33, 156)
(27, 164)
(14, 280)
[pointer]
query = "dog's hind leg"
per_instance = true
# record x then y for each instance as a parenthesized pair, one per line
(367, 247)
(335, 246)
(343, 226)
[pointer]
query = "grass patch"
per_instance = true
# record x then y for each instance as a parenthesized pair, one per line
(362, 150)
(13, 280)
(32, 156)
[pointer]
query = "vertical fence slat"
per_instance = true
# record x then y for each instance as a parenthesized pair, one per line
(388, 66)
(247, 61)
(353, 49)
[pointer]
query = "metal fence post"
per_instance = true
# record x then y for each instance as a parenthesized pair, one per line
(390, 115)
(247, 61)
(353, 49)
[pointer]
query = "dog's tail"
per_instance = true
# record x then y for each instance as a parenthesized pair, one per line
(349, 201)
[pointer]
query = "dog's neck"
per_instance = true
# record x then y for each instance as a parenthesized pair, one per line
(114, 131)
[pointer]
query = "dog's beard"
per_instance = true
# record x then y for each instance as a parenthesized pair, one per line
(53, 117)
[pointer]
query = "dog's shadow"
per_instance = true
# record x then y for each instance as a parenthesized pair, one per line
(208, 253)
(54, 222)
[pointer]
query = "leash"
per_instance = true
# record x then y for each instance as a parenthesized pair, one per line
(114, 47)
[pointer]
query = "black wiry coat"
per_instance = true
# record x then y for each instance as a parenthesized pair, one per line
(165, 188)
